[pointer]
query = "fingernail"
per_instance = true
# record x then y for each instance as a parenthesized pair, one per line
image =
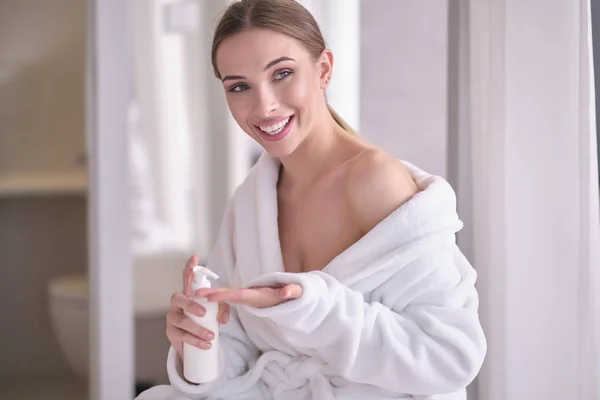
(209, 336)
(203, 345)
(226, 317)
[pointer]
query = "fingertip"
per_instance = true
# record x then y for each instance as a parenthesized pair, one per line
(212, 298)
(200, 311)
(204, 345)
(292, 291)
(225, 317)
(298, 290)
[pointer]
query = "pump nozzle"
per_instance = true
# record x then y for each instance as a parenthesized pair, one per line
(201, 275)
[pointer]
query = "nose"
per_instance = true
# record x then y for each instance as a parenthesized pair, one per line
(266, 101)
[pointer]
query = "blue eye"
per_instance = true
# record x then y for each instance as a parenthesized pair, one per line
(239, 88)
(283, 75)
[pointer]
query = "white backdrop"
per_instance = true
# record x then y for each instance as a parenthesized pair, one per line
(535, 198)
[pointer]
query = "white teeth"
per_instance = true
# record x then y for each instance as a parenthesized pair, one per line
(275, 129)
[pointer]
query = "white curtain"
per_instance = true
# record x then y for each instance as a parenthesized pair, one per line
(533, 197)
(160, 131)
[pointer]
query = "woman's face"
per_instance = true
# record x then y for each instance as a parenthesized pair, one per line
(273, 87)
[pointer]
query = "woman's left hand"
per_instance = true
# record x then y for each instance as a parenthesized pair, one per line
(259, 297)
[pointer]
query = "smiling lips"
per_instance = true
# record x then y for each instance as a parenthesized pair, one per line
(276, 129)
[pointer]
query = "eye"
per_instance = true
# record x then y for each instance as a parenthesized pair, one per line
(282, 75)
(242, 87)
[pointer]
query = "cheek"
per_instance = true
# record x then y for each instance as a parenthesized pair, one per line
(237, 106)
(239, 110)
(298, 94)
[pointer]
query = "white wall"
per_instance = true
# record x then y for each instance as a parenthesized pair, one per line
(41, 84)
(404, 77)
(595, 9)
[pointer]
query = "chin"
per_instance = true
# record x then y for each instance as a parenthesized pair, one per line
(279, 150)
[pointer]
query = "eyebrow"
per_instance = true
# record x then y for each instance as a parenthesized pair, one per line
(269, 65)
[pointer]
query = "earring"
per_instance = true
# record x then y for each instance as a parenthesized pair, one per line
(328, 80)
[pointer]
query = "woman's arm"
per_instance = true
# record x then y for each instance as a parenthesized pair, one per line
(433, 345)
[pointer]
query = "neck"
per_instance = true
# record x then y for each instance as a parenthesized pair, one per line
(319, 151)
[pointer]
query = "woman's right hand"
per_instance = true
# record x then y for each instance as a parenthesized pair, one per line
(180, 328)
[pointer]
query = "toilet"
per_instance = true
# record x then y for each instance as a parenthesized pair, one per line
(156, 276)
(69, 298)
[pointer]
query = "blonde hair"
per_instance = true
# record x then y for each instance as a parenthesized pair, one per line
(340, 121)
(284, 16)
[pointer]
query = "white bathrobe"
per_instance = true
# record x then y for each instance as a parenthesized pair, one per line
(393, 316)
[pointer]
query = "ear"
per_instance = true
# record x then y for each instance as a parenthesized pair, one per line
(325, 65)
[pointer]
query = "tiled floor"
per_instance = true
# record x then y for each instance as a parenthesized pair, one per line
(32, 387)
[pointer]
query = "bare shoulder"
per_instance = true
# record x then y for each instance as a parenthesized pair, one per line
(376, 185)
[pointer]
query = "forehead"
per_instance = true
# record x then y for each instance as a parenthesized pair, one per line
(252, 49)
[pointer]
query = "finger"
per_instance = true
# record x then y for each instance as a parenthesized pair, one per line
(188, 275)
(183, 322)
(205, 292)
(224, 312)
(291, 291)
(255, 297)
(237, 296)
(179, 302)
(218, 294)
(185, 337)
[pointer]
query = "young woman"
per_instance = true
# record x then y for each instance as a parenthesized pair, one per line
(340, 276)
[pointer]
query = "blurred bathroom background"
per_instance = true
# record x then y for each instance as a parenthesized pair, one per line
(412, 76)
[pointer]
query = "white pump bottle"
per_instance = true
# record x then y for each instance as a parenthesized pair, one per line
(202, 366)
